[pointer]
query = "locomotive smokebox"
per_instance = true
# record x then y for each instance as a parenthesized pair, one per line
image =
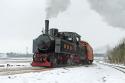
(46, 26)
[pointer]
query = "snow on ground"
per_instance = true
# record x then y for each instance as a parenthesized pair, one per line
(14, 65)
(96, 73)
(15, 62)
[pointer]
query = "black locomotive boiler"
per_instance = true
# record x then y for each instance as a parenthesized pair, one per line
(54, 48)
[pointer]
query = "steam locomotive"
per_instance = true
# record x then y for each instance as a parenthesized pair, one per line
(54, 48)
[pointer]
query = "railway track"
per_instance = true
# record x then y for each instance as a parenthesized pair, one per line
(119, 68)
(21, 70)
(17, 66)
(12, 71)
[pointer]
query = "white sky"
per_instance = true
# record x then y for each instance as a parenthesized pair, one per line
(22, 20)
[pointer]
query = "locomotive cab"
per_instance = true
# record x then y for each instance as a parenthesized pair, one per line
(71, 36)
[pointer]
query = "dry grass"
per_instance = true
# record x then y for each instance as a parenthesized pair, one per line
(117, 54)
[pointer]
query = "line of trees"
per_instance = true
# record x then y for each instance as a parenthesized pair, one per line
(117, 54)
(18, 55)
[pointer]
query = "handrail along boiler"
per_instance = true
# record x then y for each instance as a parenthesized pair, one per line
(54, 48)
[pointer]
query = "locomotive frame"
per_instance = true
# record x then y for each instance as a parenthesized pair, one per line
(53, 48)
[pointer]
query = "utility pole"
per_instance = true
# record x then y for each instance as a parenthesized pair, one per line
(26, 50)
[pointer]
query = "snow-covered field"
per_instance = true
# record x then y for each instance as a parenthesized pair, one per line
(18, 72)
(95, 73)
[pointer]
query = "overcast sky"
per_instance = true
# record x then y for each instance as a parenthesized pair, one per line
(22, 20)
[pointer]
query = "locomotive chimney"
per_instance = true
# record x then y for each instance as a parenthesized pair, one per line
(46, 26)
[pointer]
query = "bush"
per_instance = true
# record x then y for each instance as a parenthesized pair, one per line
(117, 54)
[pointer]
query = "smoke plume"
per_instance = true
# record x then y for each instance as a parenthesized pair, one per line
(113, 11)
(54, 7)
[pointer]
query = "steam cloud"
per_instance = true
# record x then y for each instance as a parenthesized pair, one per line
(54, 7)
(113, 11)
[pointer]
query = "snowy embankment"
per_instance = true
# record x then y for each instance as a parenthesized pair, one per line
(95, 73)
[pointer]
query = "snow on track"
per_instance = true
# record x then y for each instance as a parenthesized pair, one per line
(13, 71)
(96, 73)
(115, 66)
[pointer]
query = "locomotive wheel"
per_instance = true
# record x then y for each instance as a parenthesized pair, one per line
(88, 62)
(54, 62)
(69, 62)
